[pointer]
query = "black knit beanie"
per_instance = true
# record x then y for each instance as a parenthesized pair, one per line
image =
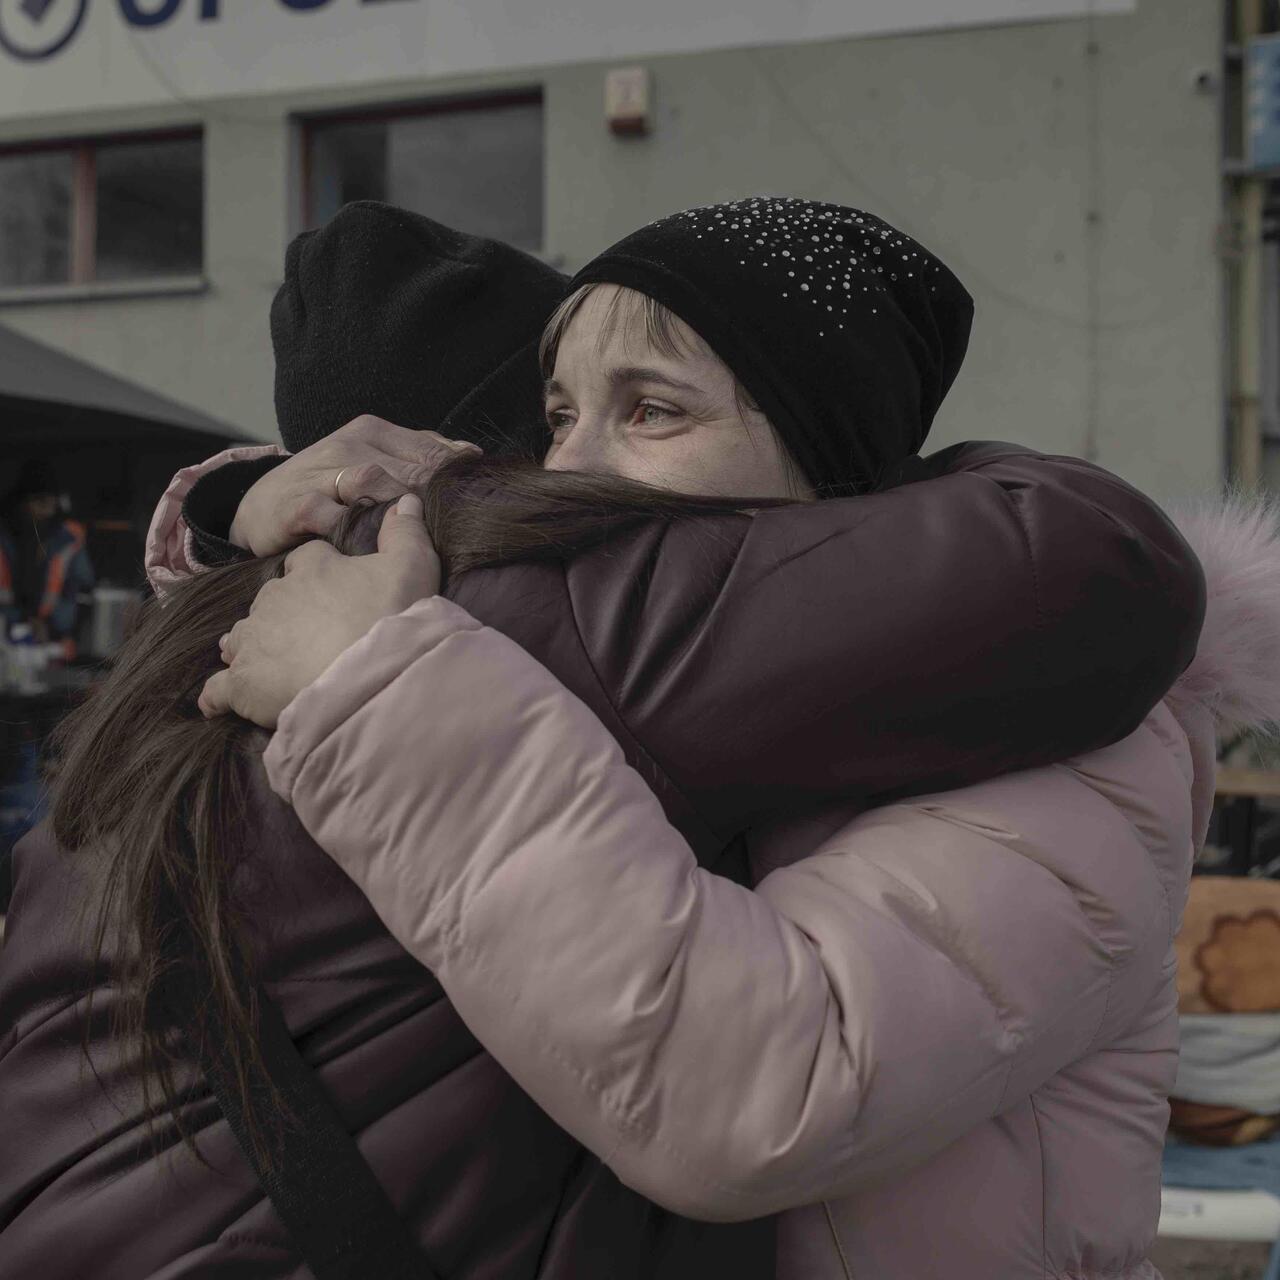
(846, 332)
(386, 312)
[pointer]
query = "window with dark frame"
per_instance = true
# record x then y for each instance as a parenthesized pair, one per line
(476, 164)
(102, 210)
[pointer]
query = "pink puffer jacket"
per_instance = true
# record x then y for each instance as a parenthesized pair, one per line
(940, 1035)
(821, 1115)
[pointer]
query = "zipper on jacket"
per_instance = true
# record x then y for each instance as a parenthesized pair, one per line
(835, 1239)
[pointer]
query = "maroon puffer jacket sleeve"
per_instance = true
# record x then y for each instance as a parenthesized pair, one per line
(998, 609)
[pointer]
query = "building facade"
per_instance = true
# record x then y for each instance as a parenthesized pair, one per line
(1065, 159)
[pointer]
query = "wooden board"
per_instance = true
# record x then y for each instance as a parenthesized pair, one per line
(1263, 783)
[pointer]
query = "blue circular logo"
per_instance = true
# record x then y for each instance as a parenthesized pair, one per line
(32, 30)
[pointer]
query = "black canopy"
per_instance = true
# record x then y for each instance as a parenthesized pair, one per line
(50, 398)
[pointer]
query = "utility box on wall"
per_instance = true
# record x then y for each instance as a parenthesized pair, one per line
(628, 100)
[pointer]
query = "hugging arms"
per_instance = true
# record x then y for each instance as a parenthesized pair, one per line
(745, 668)
(750, 665)
(532, 775)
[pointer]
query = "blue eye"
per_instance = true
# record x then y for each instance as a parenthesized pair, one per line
(652, 414)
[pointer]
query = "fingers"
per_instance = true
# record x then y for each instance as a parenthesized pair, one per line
(216, 697)
(230, 644)
(310, 555)
(368, 458)
(399, 444)
(457, 446)
(408, 552)
(433, 453)
(402, 528)
(318, 514)
(385, 437)
(225, 694)
(367, 480)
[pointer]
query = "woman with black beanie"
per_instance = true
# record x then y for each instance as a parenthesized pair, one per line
(938, 1033)
(755, 670)
(846, 333)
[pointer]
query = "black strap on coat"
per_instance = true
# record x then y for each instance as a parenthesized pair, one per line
(339, 1216)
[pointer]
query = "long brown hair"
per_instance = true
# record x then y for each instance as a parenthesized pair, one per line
(157, 793)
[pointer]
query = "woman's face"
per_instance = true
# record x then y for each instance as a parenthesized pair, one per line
(616, 404)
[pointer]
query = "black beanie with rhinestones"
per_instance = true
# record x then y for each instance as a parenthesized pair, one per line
(845, 331)
(386, 312)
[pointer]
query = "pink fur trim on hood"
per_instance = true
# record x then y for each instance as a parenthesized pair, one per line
(1236, 670)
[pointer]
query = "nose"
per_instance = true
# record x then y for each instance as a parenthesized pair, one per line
(579, 449)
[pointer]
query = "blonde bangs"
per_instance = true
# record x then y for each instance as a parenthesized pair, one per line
(660, 325)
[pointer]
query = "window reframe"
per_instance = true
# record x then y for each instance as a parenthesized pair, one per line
(82, 236)
(417, 108)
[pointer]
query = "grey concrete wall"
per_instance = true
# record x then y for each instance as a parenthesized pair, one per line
(987, 146)
(1076, 193)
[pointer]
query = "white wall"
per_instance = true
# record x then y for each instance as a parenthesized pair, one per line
(992, 146)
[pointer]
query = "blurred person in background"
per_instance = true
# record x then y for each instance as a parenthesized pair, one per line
(44, 563)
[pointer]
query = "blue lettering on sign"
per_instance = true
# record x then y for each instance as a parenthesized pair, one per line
(33, 30)
(45, 27)
(139, 13)
(136, 16)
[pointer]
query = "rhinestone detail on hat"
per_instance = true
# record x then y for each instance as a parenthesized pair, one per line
(814, 247)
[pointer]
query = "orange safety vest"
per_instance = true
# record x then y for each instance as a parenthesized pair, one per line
(55, 578)
(59, 563)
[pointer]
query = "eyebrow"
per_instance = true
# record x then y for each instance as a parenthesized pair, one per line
(622, 375)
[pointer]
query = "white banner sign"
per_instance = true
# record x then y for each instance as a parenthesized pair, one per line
(76, 55)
